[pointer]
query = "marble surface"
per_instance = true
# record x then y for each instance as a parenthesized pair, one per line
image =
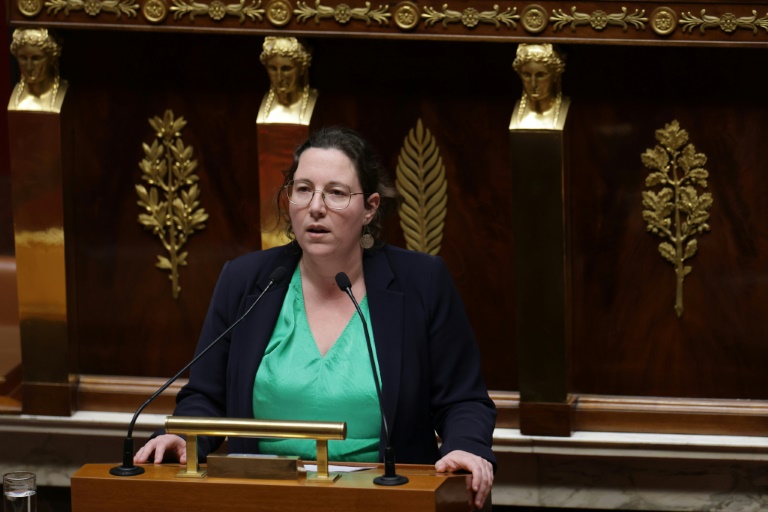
(590, 470)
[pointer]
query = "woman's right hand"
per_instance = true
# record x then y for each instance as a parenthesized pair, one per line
(167, 443)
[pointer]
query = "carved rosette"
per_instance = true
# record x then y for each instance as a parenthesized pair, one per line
(663, 21)
(30, 8)
(406, 15)
(279, 12)
(534, 18)
(154, 11)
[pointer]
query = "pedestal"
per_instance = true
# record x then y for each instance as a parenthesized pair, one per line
(39, 168)
(276, 145)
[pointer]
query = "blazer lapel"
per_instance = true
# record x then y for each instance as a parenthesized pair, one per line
(386, 308)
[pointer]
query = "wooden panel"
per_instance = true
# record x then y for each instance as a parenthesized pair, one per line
(627, 338)
(159, 490)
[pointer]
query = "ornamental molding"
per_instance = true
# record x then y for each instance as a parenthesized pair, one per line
(218, 10)
(728, 22)
(471, 17)
(93, 7)
(599, 19)
(342, 13)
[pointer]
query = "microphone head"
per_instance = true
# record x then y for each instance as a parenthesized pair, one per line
(278, 275)
(343, 281)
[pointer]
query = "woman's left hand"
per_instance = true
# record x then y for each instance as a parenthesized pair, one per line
(480, 482)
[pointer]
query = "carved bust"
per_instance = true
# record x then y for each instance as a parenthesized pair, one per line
(542, 106)
(40, 88)
(290, 99)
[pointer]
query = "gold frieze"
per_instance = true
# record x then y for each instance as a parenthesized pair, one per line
(599, 19)
(218, 10)
(169, 171)
(728, 22)
(93, 7)
(471, 17)
(343, 13)
(420, 179)
(675, 210)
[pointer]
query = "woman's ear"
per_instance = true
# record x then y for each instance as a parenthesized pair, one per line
(373, 202)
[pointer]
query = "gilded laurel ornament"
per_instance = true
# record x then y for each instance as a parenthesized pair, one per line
(279, 12)
(728, 22)
(30, 8)
(471, 17)
(421, 182)
(169, 171)
(675, 210)
(93, 7)
(217, 10)
(599, 19)
(342, 13)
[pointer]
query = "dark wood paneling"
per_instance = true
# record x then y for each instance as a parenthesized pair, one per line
(627, 338)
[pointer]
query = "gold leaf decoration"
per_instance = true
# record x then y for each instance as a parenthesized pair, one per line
(599, 19)
(674, 209)
(728, 22)
(168, 170)
(421, 181)
(93, 7)
(217, 10)
(342, 13)
(471, 17)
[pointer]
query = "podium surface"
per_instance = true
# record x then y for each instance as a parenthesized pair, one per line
(94, 489)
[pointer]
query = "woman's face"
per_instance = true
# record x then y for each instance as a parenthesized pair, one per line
(319, 230)
(34, 64)
(538, 80)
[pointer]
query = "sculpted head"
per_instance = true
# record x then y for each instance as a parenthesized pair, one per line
(540, 67)
(287, 61)
(37, 53)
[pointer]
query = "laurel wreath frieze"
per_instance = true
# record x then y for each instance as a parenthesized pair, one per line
(342, 13)
(471, 17)
(728, 22)
(218, 10)
(93, 7)
(599, 19)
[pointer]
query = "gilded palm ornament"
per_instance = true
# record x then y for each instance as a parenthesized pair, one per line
(421, 181)
(169, 171)
(675, 210)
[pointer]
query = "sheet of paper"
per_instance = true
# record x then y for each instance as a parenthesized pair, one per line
(337, 469)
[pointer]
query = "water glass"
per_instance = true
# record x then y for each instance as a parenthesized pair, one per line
(20, 492)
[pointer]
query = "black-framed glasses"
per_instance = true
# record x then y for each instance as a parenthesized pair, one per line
(335, 197)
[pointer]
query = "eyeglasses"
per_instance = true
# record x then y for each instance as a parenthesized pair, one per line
(335, 197)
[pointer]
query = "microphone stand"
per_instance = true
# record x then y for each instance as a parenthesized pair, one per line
(128, 468)
(390, 476)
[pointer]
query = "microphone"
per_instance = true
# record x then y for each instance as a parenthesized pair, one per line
(129, 468)
(390, 476)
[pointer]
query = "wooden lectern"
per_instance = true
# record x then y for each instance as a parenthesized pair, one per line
(94, 489)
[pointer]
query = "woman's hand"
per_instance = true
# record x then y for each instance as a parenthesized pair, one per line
(481, 480)
(167, 443)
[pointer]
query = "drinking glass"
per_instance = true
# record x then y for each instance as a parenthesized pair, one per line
(20, 492)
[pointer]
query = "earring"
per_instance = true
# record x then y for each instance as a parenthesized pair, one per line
(366, 241)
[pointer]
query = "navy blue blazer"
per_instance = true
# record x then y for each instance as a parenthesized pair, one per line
(428, 358)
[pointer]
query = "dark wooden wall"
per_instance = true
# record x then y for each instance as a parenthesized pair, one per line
(624, 337)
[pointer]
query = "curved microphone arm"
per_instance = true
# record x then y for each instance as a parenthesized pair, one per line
(129, 468)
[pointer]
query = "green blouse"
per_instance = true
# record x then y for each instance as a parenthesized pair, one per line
(295, 382)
